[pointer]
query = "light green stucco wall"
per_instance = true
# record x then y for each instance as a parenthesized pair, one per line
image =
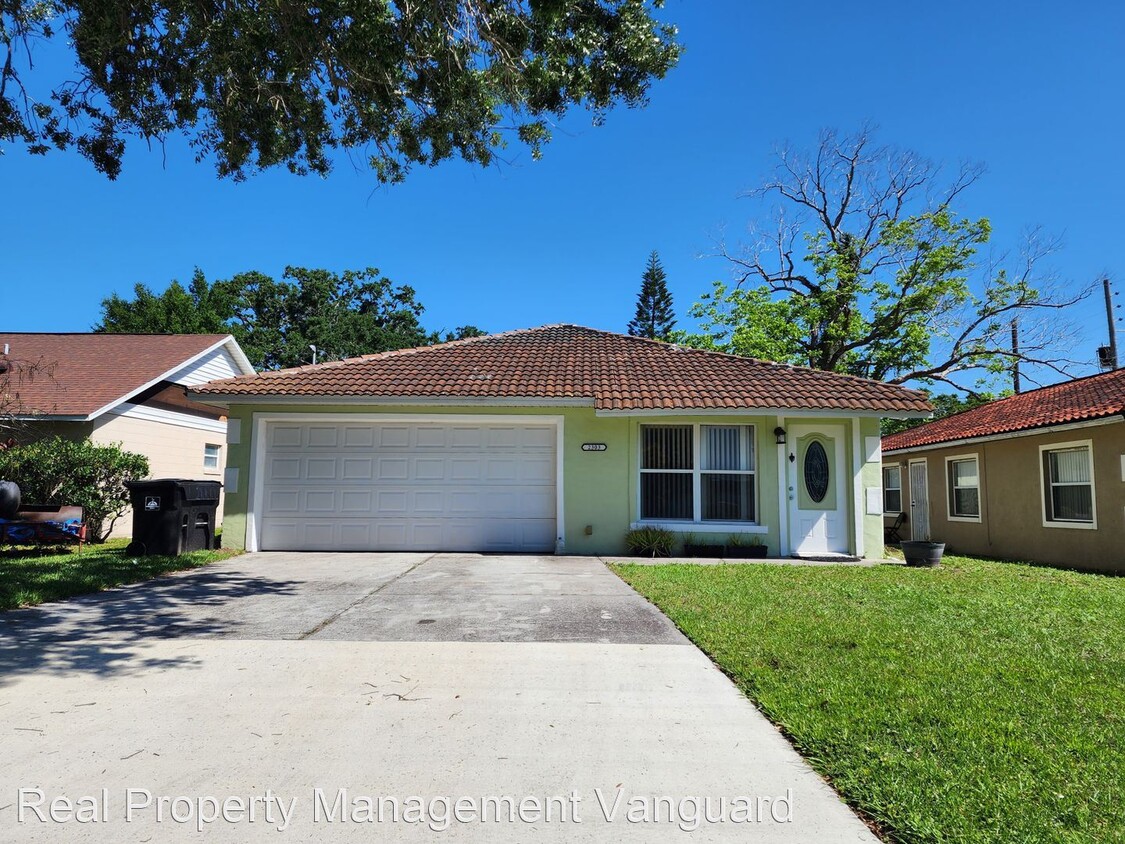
(600, 488)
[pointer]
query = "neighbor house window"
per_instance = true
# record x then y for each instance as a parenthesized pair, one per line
(211, 457)
(1068, 484)
(892, 489)
(698, 473)
(963, 487)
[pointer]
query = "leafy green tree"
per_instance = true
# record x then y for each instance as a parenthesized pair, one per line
(463, 332)
(654, 317)
(262, 84)
(61, 471)
(868, 270)
(275, 321)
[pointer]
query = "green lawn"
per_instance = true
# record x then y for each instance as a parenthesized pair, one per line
(28, 577)
(979, 701)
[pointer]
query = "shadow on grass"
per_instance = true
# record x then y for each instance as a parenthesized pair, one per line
(105, 633)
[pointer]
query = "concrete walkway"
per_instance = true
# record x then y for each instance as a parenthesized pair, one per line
(402, 681)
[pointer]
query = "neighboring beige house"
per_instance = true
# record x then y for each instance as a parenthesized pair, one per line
(127, 388)
(1038, 476)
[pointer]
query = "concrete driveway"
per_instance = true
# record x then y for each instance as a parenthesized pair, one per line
(302, 697)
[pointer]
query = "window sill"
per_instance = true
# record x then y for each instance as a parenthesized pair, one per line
(1071, 525)
(702, 527)
(973, 520)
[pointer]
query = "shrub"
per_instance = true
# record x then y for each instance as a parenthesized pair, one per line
(650, 542)
(61, 471)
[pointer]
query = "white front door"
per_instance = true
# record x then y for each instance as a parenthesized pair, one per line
(362, 484)
(818, 499)
(919, 501)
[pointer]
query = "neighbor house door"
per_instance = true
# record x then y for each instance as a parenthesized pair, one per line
(919, 501)
(818, 500)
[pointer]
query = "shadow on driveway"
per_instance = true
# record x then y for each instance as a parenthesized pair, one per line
(104, 633)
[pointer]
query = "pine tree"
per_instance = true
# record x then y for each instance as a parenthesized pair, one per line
(654, 318)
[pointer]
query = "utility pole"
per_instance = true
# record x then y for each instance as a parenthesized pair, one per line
(1111, 360)
(1016, 355)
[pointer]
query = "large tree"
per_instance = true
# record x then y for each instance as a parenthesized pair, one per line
(654, 317)
(276, 321)
(867, 268)
(254, 85)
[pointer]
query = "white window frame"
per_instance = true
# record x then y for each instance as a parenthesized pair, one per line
(883, 482)
(697, 524)
(1057, 523)
(218, 467)
(949, 488)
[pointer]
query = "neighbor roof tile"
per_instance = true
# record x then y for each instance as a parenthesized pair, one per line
(1094, 397)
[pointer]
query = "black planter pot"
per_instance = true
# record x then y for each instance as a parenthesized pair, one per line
(745, 552)
(692, 549)
(919, 553)
(9, 499)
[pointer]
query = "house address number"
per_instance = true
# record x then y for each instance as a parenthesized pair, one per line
(594, 446)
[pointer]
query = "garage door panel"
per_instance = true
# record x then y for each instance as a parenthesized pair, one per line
(399, 486)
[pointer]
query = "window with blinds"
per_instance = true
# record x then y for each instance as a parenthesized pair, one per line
(1068, 484)
(667, 472)
(720, 488)
(892, 489)
(963, 484)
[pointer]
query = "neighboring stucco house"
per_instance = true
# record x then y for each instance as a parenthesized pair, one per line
(127, 388)
(553, 439)
(1037, 476)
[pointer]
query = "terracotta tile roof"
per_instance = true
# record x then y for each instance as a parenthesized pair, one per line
(89, 371)
(1094, 397)
(613, 371)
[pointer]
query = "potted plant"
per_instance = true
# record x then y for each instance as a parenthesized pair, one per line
(923, 553)
(739, 548)
(693, 547)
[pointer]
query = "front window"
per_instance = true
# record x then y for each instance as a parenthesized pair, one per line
(892, 489)
(964, 488)
(1068, 484)
(211, 457)
(714, 483)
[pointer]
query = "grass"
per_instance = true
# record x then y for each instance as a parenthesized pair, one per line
(976, 702)
(30, 576)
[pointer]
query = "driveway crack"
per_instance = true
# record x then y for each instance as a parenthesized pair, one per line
(336, 615)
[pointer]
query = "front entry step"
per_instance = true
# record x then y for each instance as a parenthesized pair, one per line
(827, 558)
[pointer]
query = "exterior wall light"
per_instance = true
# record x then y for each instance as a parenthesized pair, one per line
(779, 435)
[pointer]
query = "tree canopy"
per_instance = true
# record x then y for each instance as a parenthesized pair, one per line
(255, 85)
(654, 317)
(276, 321)
(866, 268)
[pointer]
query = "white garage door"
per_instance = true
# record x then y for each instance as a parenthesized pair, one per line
(401, 486)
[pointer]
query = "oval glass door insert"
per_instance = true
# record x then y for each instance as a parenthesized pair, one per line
(816, 471)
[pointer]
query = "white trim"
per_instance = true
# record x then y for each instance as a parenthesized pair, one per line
(949, 517)
(856, 504)
(1027, 432)
(234, 349)
(255, 487)
(1123, 468)
(1091, 525)
(702, 527)
(168, 417)
(783, 492)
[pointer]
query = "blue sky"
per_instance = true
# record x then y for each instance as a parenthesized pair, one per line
(1033, 91)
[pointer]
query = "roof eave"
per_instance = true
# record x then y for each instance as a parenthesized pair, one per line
(1007, 435)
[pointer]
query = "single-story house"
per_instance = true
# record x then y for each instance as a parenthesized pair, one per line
(553, 439)
(1036, 476)
(126, 388)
